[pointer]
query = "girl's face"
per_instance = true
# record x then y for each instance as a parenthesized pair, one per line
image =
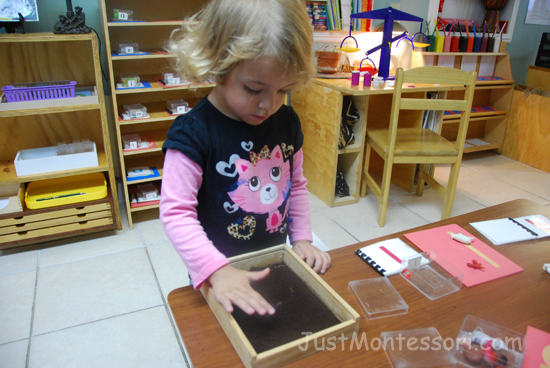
(253, 90)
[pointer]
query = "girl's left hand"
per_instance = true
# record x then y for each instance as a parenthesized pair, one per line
(314, 257)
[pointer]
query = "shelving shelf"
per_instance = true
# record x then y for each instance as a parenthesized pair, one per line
(42, 57)
(150, 30)
(487, 126)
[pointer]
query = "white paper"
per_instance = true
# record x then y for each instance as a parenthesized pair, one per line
(469, 63)
(487, 66)
(477, 142)
(446, 60)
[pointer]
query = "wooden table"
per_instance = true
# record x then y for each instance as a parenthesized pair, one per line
(514, 302)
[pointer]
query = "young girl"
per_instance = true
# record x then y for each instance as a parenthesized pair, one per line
(232, 179)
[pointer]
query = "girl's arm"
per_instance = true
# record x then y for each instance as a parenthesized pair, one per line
(181, 181)
(300, 225)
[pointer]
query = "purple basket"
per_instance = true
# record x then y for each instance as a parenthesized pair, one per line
(39, 91)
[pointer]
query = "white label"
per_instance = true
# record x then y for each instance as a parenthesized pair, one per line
(151, 195)
(122, 16)
(175, 80)
(129, 50)
(181, 109)
(131, 82)
(133, 145)
(139, 114)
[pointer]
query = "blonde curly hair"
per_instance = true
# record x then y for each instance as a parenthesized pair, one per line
(226, 32)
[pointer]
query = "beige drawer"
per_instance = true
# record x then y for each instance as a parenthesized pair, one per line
(54, 231)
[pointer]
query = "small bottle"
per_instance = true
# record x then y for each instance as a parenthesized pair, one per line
(367, 80)
(355, 75)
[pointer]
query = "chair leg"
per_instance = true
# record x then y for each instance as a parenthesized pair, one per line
(385, 192)
(450, 191)
(363, 191)
(420, 181)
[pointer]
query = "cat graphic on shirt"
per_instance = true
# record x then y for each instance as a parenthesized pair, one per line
(263, 185)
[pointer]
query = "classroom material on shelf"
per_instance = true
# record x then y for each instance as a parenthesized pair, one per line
(122, 15)
(134, 111)
(511, 230)
(415, 355)
(478, 261)
(385, 257)
(47, 159)
(12, 197)
(144, 194)
(177, 107)
(483, 343)
(135, 142)
(378, 298)
(32, 91)
(537, 348)
(434, 278)
(132, 81)
(142, 172)
(65, 190)
(83, 96)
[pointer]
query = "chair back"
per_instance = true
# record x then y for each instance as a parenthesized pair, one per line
(438, 75)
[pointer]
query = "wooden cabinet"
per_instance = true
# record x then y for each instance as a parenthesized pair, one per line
(492, 98)
(41, 57)
(151, 28)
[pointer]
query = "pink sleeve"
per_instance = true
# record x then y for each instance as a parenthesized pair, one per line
(181, 181)
(300, 227)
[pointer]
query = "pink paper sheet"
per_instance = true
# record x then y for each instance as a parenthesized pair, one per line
(537, 348)
(459, 255)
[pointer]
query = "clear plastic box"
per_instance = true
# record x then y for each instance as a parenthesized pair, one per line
(378, 298)
(171, 78)
(131, 141)
(480, 342)
(127, 48)
(148, 191)
(431, 274)
(78, 146)
(135, 111)
(416, 348)
(130, 80)
(177, 106)
(121, 15)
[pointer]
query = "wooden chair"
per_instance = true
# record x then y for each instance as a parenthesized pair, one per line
(420, 146)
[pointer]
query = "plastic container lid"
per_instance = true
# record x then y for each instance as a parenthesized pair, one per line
(378, 298)
(431, 274)
(417, 348)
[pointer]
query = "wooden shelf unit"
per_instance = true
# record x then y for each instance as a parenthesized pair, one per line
(485, 126)
(42, 57)
(151, 29)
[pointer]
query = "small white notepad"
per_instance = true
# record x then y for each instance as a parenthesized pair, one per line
(511, 230)
(385, 257)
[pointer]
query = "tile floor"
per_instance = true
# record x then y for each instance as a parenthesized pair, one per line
(101, 300)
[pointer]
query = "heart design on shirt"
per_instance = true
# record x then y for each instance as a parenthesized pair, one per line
(247, 146)
(225, 168)
(243, 231)
(230, 208)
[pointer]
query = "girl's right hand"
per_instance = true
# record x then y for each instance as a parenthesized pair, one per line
(232, 286)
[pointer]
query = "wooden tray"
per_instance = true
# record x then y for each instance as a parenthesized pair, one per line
(293, 350)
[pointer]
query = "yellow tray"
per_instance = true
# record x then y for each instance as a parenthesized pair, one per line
(67, 190)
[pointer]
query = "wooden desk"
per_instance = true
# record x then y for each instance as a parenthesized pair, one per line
(514, 302)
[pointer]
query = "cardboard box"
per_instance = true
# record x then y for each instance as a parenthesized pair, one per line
(299, 348)
(44, 160)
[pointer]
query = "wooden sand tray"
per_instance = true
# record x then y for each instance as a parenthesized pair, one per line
(303, 303)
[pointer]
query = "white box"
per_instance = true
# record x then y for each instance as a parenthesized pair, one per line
(45, 160)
